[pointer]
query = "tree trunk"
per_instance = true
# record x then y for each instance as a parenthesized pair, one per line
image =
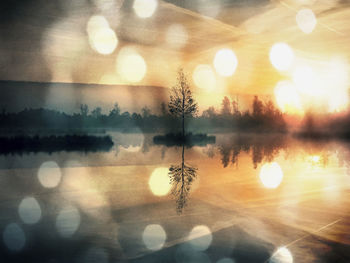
(183, 114)
(183, 126)
(183, 165)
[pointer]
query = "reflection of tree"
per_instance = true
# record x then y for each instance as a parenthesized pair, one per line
(181, 178)
(261, 149)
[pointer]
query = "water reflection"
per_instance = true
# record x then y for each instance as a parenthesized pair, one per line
(181, 179)
(106, 208)
(261, 148)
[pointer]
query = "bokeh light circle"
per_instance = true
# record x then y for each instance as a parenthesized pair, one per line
(29, 210)
(130, 65)
(225, 62)
(306, 20)
(271, 175)
(281, 56)
(154, 237)
(95, 23)
(200, 237)
(49, 174)
(68, 221)
(145, 8)
(104, 40)
(159, 182)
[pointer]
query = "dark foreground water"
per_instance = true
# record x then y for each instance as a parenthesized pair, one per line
(243, 199)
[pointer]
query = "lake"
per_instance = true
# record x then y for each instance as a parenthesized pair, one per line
(263, 198)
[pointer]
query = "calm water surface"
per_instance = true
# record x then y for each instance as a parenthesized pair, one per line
(242, 199)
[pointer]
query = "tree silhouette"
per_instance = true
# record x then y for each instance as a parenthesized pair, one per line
(235, 108)
(115, 111)
(209, 113)
(145, 112)
(226, 107)
(163, 109)
(97, 112)
(181, 102)
(257, 107)
(181, 178)
(84, 110)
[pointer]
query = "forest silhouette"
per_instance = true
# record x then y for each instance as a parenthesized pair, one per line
(262, 118)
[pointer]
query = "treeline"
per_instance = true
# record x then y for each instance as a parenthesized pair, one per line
(264, 116)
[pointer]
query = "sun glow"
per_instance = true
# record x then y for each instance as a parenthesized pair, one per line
(323, 85)
(316, 84)
(304, 79)
(287, 97)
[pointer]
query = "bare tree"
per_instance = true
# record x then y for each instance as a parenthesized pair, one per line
(181, 102)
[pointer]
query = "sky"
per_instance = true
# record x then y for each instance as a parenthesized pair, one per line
(295, 51)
